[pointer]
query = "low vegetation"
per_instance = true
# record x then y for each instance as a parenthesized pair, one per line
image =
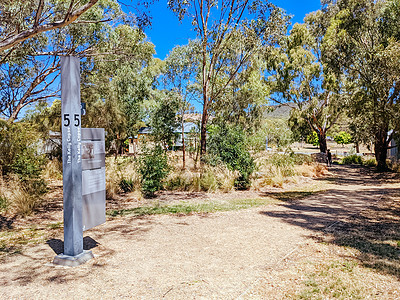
(191, 208)
(123, 175)
(358, 160)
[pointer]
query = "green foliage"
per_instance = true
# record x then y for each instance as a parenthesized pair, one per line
(153, 167)
(126, 185)
(27, 78)
(163, 119)
(312, 139)
(291, 159)
(227, 144)
(275, 130)
(370, 162)
(230, 85)
(19, 150)
(299, 127)
(362, 43)
(352, 159)
(343, 138)
(300, 77)
(118, 88)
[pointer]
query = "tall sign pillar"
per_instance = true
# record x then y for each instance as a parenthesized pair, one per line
(72, 164)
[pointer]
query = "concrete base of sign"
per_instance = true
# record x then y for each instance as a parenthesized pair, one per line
(73, 261)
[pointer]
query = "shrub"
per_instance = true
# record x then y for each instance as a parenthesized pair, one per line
(343, 138)
(19, 150)
(278, 169)
(179, 181)
(312, 139)
(153, 167)
(21, 164)
(227, 144)
(371, 162)
(352, 159)
(126, 185)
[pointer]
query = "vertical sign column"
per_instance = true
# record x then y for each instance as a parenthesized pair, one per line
(71, 155)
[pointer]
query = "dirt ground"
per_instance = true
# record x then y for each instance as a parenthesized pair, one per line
(266, 252)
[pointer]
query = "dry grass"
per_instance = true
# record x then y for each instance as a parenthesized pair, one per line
(318, 270)
(13, 241)
(336, 274)
(211, 179)
(19, 197)
(273, 170)
(53, 170)
(119, 171)
(277, 172)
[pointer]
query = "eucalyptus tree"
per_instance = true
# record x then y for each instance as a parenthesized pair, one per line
(254, 25)
(180, 75)
(118, 83)
(243, 101)
(299, 78)
(21, 20)
(362, 42)
(28, 71)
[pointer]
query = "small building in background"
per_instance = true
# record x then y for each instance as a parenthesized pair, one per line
(52, 145)
(190, 130)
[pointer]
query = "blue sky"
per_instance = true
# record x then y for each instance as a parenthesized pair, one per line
(167, 32)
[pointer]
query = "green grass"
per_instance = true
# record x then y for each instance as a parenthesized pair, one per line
(190, 208)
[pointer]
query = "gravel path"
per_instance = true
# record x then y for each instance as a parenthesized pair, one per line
(215, 256)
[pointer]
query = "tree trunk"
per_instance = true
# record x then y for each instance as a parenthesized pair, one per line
(322, 141)
(381, 146)
(203, 126)
(196, 149)
(203, 134)
(183, 145)
(205, 82)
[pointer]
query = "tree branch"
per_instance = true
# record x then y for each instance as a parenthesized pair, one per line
(38, 13)
(26, 34)
(90, 22)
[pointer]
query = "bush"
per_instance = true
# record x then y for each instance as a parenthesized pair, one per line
(343, 138)
(153, 167)
(312, 139)
(126, 185)
(291, 159)
(21, 165)
(19, 150)
(352, 159)
(227, 144)
(370, 162)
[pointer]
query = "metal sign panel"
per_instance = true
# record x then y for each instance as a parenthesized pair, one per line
(71, 154)
(93, 177)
